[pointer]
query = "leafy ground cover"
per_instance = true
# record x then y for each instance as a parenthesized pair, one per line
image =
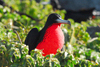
(80, 49)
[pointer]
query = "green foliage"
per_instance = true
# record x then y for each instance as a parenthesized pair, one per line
(80, 50)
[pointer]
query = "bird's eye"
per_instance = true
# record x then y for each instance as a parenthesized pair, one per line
(58, 16)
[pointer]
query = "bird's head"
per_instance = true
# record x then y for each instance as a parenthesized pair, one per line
(56, 19)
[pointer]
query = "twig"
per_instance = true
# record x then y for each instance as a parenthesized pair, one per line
(18, 36)
(28, 16)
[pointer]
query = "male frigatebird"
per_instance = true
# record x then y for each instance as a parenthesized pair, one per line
(50, 38)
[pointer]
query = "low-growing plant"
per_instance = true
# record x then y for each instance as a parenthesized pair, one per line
(80, 49)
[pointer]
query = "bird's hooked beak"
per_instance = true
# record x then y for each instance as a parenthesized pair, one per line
(63, 21)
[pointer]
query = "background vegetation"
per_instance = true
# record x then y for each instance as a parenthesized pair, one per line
(80, 49)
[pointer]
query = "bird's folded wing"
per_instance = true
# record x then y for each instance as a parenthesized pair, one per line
(32, 38)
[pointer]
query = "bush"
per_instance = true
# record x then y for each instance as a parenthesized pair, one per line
(80, 49)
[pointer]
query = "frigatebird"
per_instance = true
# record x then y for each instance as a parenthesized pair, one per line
(50, 38)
